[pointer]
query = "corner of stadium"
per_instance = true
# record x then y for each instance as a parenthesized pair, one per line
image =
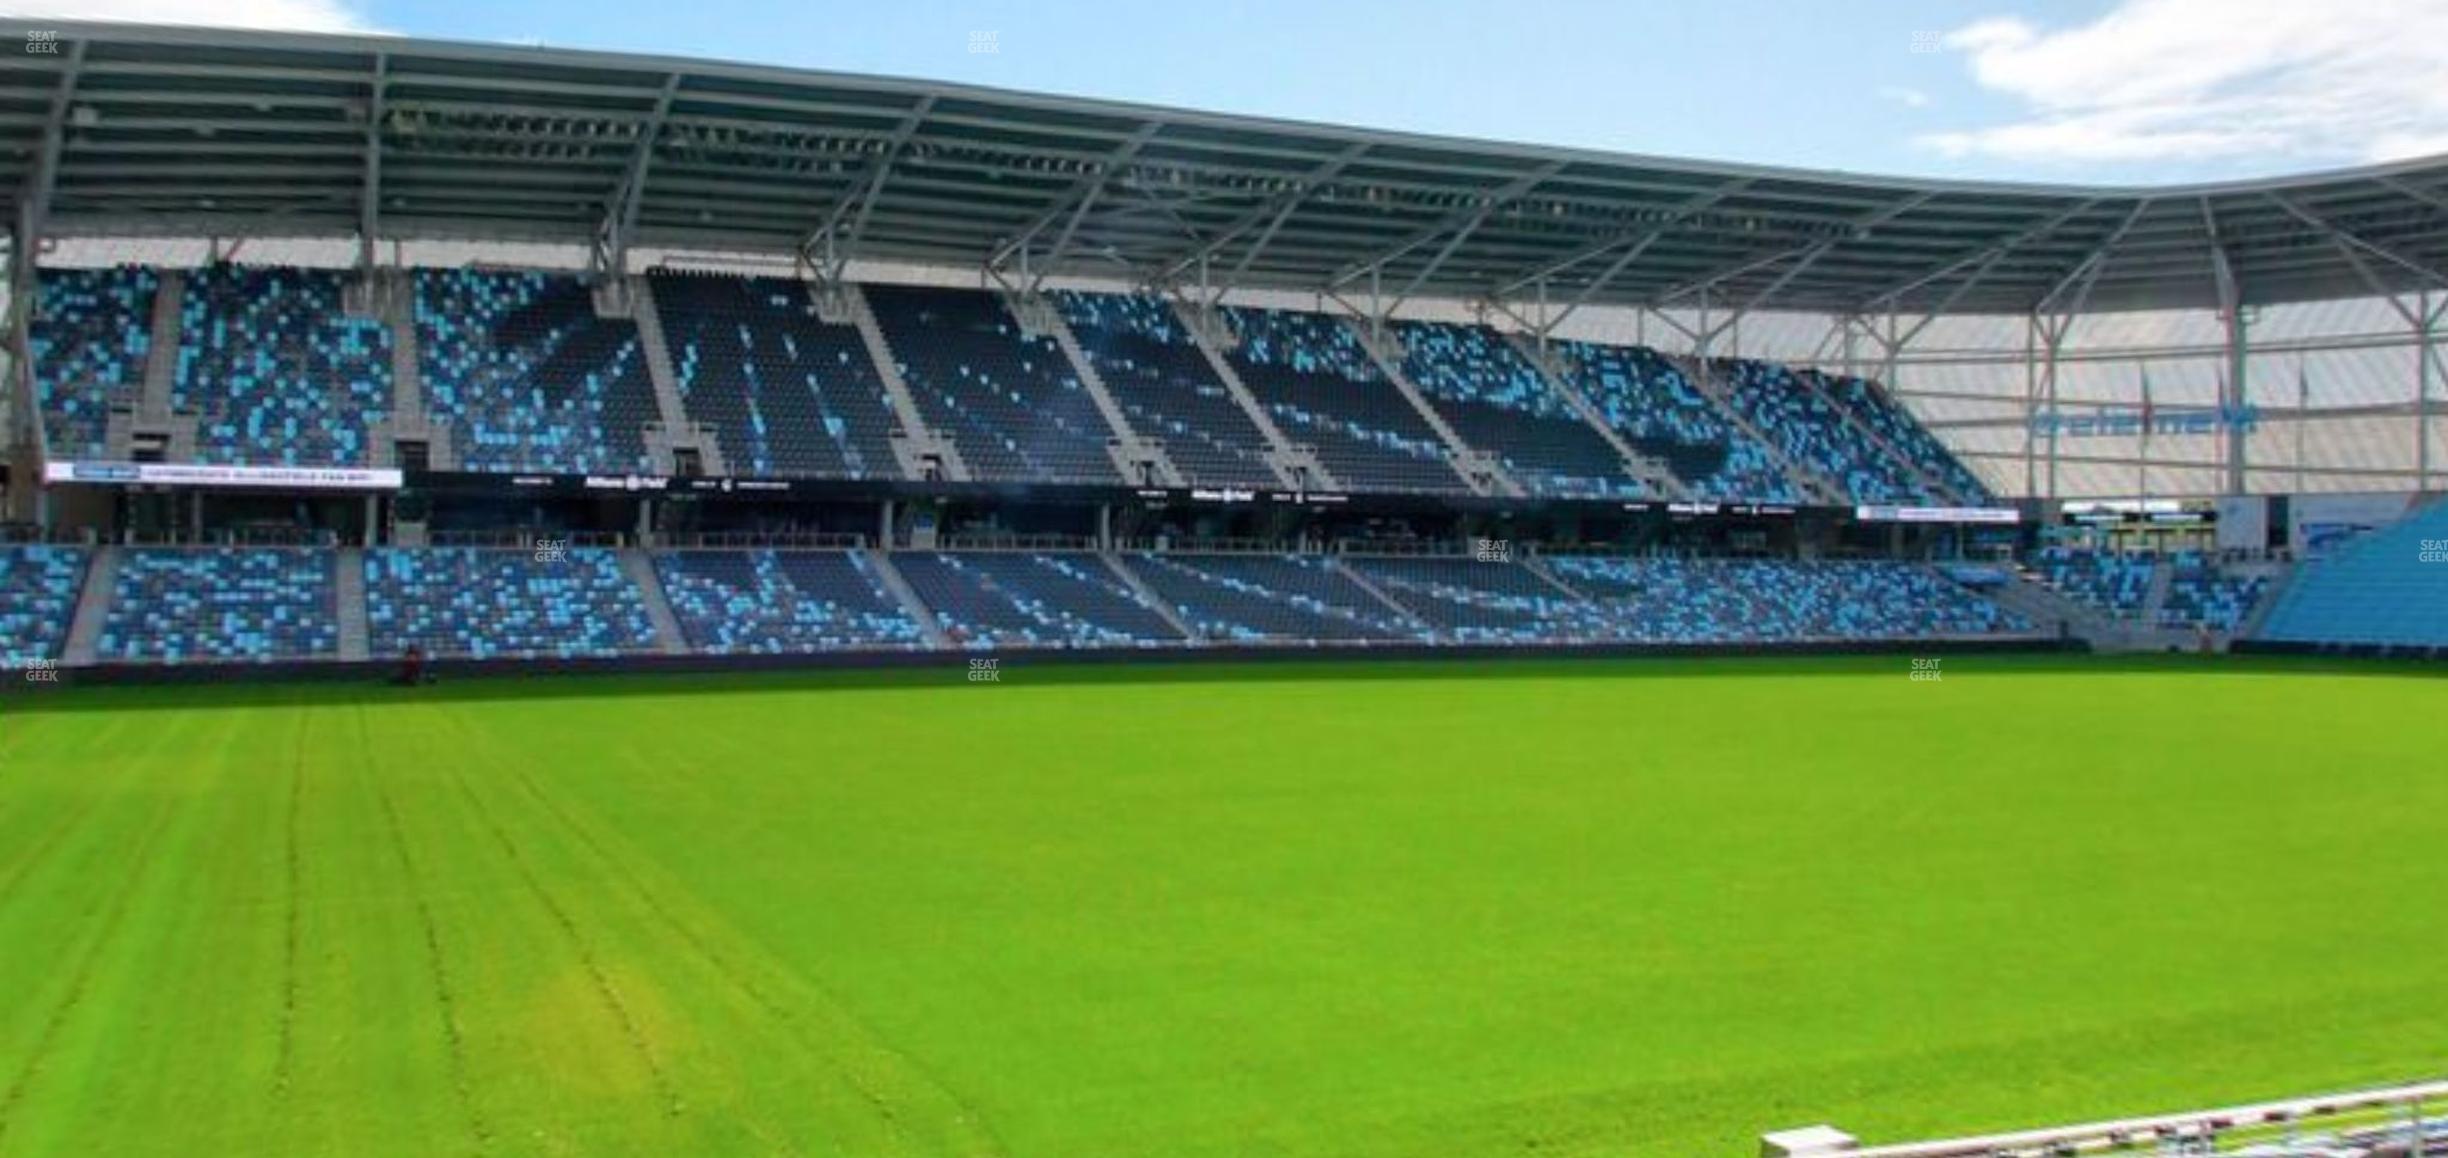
(568, 602)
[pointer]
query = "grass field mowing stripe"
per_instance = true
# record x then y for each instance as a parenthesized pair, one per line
(291, 908)
(446, 1004)
(898, 1085)
(614, 1003)
(81, 973)
(623, 864)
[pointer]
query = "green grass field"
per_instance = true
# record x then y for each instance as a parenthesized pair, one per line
(1593, 908)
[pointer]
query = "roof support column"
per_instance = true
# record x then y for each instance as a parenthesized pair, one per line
(2232, 395)
(2426, 381)
(24, 422)
(2031, 405)
(369, 197)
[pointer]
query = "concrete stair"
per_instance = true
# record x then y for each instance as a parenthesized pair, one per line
(161, 362)
(1147, 595)
(2154, 597)
(674, 431)
(2045, 606)
(349, 597)
(93, 607)
(396, 303)
(913, 443)
(1538, 567)
(639, 566)
(1286, 459)
(2280, 577)
(1481, 469)
(1558, 376)
(907, 596)
(1821, 488)
(1131, 450)
(1377, 593)
(1930, 484)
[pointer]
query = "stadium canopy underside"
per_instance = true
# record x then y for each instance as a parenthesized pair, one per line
(2303, 312)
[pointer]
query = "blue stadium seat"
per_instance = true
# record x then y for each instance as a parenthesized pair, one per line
(2117, 582)
(1498, 402)
(1008, 599)
(1269, 599)
(1321, 388)
(222, 604)
(1471, 601)
(768, 602)
(1708, 601)
(786, 393)
(1810, 432)
(527, 377)
(2201, 594)
(1870, 402)
(1164, 385)
(2387, 589)
(1656, 409)
(275, 372)
(1010, 402)
(92, 332)
(481, 603)
(38, 596)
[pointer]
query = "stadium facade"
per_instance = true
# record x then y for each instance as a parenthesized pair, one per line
(1216, 379)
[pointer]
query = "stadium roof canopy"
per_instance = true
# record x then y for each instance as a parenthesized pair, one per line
(130, 131)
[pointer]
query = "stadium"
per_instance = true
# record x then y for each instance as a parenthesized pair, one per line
(570, 602)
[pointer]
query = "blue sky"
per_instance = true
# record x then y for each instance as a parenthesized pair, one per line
(2101, 91)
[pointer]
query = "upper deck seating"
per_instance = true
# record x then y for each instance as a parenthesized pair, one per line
(786, 393)
(1497, 401)
(92, 333)
(1655, 408)
(1321, 388)
(1009, 401)
(1165, 387)
(275, 370)
(527, 377)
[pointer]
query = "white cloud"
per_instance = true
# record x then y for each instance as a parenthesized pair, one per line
(1911, 98)
(276, 15)
(2336, 82)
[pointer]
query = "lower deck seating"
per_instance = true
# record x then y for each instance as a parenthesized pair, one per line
(1698, 601)
(1009, 599)
(2200, 594)
(1468, 601)
(782, 602)
(221, 604)
(483, 603)
(2116, 581)
(1290, 599)
(2386, 589)
(38, 596)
